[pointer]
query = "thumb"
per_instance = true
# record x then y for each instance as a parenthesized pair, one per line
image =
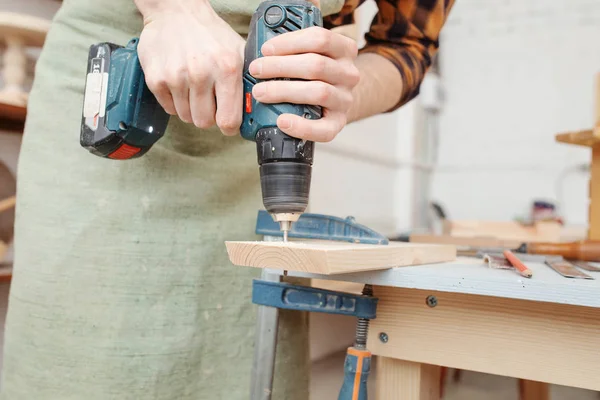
(316, 3)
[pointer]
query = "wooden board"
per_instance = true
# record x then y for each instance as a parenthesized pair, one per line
(581, 138)
(405, 380)
(505, 230)
(465, 241)
(537, 341)
(597, 108)
(335, 258)
(594, 193)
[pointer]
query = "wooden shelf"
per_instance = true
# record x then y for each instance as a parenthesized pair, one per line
(581, 138)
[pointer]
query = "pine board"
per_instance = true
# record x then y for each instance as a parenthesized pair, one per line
(328, 258)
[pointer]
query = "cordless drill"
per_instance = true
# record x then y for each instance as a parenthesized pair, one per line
(122, 119)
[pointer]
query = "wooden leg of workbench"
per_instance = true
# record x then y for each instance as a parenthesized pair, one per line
(532, 390)
(398, 379)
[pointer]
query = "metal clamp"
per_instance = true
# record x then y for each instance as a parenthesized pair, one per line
(302, 298)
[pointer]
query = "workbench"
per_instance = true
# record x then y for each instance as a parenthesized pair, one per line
(465, 315)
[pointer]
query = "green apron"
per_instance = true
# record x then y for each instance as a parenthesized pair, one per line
(122, 287)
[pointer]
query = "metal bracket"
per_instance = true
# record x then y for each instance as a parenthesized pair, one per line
(302, 298)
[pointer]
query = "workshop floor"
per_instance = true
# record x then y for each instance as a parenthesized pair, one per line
(327, 376)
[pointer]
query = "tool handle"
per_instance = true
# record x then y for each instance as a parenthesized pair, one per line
(357, 368)
(585, 250)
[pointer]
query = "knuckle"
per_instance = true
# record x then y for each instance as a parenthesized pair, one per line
(318, 66)
(197, 72)
(347, 100)
(353, 75)
(324, 93)
(156, 83)
(352, 47)
(174, 77)
(322, 38)
(230, 65)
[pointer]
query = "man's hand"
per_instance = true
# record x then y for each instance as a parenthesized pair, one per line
(325, 61)
(193, 62)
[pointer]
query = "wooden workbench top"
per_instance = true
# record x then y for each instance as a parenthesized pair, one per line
(471, 276)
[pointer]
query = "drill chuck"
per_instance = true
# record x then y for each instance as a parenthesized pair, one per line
(285, 171)
(285, 186)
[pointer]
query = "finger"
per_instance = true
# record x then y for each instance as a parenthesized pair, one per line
(161, 91)
(309, 66)
(203, 106)
(229, 92)
(311, 40)
(320, 130)
(315, 93)
(181, 99)
(177, 82)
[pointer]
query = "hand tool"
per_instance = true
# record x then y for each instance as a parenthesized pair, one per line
(122, 119)
(285, 162)
(566, 269)
(585, 265)
(585, 250)
(271, 295)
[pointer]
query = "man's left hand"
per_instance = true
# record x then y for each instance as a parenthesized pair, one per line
(324, 61)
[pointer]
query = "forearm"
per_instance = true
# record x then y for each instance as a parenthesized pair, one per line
(379, 89)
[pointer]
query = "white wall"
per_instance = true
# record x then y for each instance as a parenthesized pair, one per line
(367, 171)
(515, 73)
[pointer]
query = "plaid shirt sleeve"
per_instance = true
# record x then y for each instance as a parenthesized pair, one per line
(406, 32)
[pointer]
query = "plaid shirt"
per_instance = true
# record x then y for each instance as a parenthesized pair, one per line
(406, 32)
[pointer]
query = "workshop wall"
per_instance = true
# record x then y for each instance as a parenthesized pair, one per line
(515, 74)
(368, 170)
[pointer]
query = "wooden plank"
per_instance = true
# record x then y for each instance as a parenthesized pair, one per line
(398, 379)
(581, 138)
(597, 108)
(532, 390)
(594, 202)
(537, 341)
(335, 258)
(473, 241)
(543, 231)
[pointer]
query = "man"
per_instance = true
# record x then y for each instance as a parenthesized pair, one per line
(122, 288)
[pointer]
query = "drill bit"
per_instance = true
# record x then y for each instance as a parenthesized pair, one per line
(285, 228)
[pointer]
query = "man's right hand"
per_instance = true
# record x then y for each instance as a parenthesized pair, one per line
(193, 62)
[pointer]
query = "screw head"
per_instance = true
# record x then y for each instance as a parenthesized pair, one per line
(384, 337)
(432, 301)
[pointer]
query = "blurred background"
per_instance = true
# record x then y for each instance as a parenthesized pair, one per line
(478, 144)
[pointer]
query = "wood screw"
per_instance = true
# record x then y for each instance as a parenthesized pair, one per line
(432, 301)
(384, 337)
